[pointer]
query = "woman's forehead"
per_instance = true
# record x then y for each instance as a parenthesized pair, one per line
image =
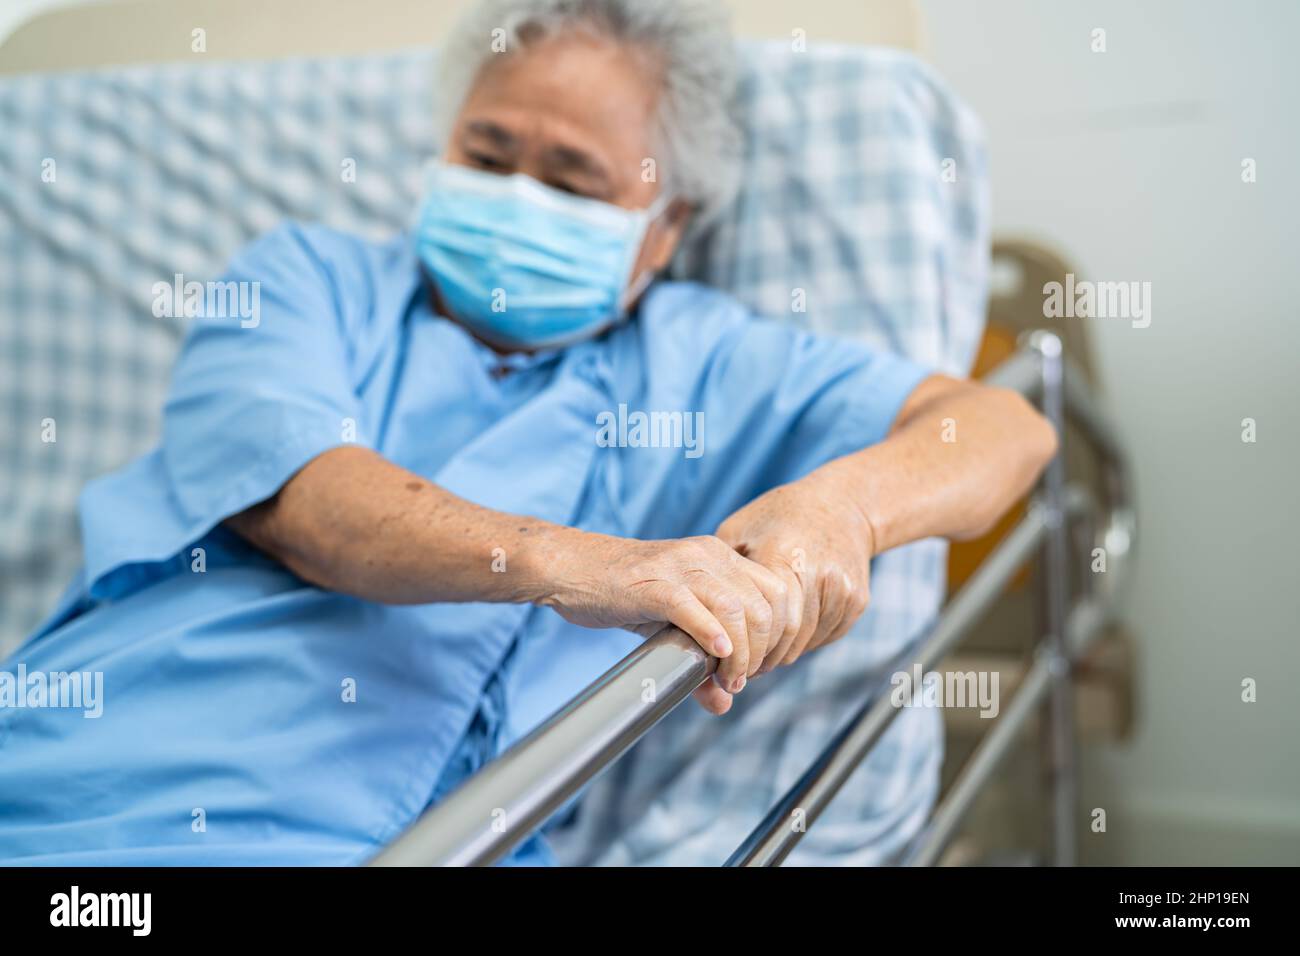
(584, 96)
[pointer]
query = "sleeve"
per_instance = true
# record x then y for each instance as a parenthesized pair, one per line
(254, 399)
(780, 402)
(262, 385)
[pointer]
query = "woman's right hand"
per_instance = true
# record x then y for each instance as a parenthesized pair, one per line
(734, 608)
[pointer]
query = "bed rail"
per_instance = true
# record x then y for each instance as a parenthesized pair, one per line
(488, 814)
(510, 797)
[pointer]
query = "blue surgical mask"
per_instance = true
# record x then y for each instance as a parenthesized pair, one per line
(524, 265)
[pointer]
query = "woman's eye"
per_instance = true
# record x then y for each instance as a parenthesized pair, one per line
(581, 191)
(489, 163)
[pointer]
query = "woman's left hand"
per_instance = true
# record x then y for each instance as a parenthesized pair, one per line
(818, 540)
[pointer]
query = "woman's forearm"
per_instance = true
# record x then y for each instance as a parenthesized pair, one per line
(354, 522)
(958, 457)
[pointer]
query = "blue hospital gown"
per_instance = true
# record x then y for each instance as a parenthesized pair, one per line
(251, 718)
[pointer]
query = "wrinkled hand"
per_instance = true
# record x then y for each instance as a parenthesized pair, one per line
(810, 535)
(734, 608)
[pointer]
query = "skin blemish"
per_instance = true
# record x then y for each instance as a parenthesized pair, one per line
(413, 486)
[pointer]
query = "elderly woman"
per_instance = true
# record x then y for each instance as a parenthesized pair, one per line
(399, 519)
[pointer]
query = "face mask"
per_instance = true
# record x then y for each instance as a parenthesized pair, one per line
(524, 265)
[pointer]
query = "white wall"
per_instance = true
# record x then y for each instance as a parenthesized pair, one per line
(1130, 162)
(13, 13)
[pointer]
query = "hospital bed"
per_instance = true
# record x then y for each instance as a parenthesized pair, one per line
(1064, 521)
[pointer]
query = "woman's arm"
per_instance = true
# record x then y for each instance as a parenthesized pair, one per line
(785, 574)
(958, 456)
(353, 522)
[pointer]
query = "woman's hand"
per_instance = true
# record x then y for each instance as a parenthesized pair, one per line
(812, 536)
(733, 607)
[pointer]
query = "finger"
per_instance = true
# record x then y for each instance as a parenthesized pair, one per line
(685, 610)
(834, 600)
(856, 602)
(829, 627)
(767, 612)
(730, 610)
(812, 610)
(712, 698)
(793, 620)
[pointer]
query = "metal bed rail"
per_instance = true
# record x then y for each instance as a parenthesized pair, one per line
(509, 798)
(486, 816)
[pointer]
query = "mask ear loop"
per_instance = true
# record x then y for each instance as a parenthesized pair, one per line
(647, 276)
(639, 285)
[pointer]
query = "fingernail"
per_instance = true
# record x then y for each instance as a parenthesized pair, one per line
(738, 685)
(721, 646)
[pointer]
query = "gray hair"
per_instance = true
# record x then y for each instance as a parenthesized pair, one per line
(695, 132)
